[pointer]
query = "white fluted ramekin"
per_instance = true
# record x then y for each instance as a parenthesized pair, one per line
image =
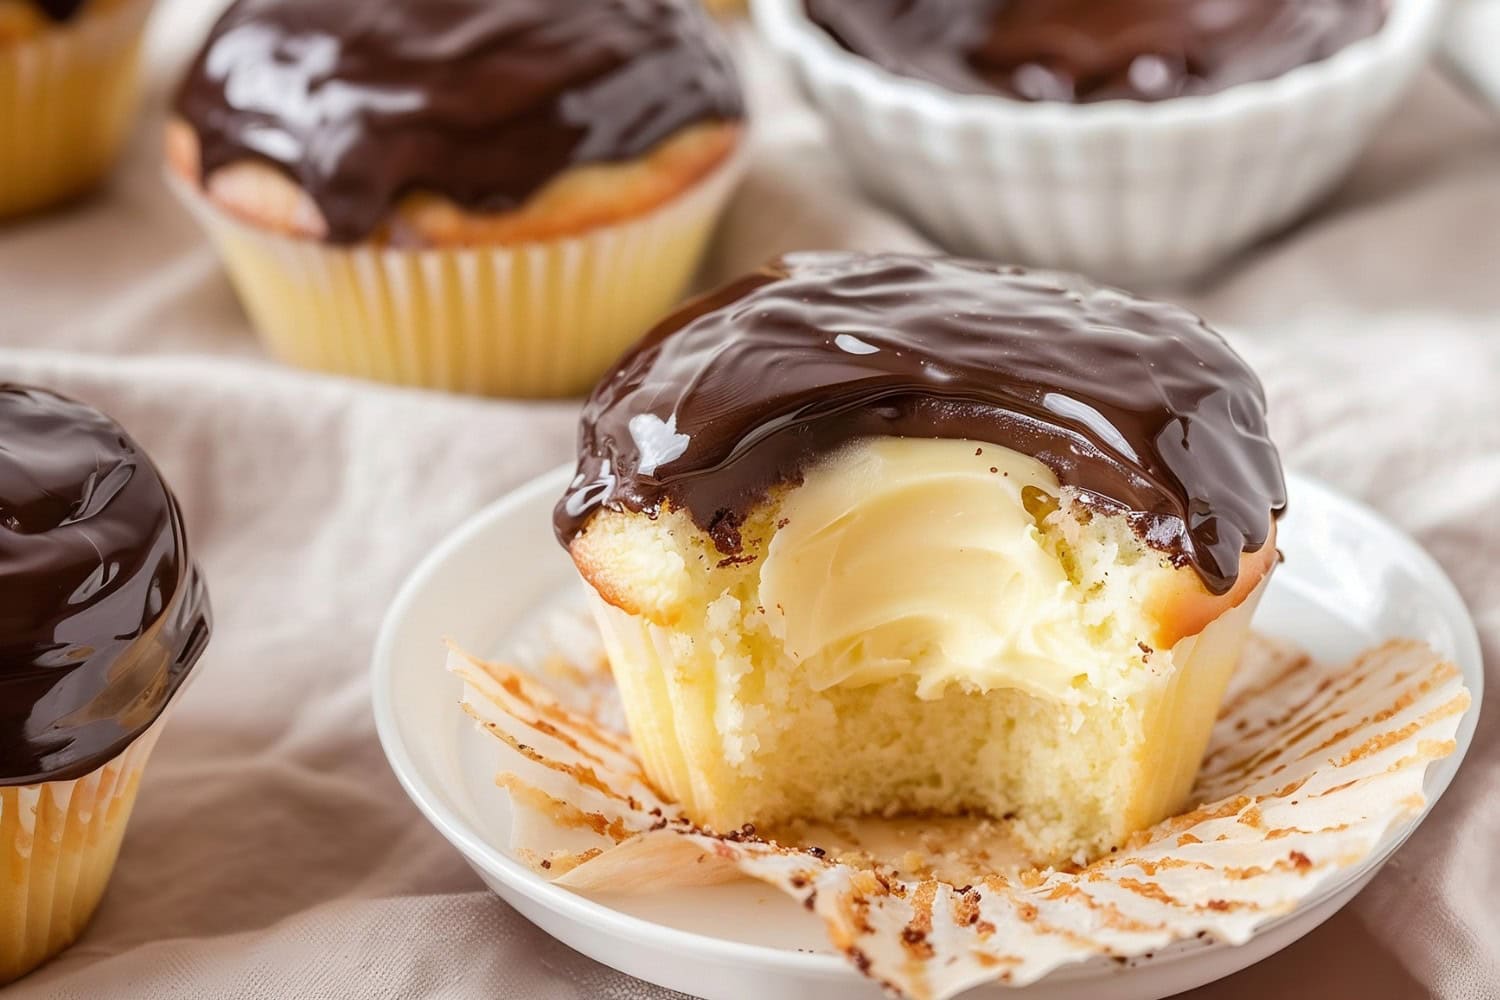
(1121, 190)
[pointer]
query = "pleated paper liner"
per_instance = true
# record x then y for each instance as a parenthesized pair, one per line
(58, 845)
(1308, 768)
(672, 713)
(529, 320)
(67, 100)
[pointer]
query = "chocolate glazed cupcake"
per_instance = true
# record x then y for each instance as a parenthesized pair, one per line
(68, 88)
(880, 534)
(493, 196)
(102, 617)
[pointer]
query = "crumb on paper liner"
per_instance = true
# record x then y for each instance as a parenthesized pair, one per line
(1309, 767)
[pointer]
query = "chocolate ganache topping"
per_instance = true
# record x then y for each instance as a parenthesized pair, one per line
(482, 101)
(61, 10)
(102, 614)
(1136, 404)
(1095, 50)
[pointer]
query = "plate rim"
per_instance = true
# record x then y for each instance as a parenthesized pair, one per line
(597, 915)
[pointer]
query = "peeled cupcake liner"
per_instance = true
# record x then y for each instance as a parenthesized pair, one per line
(67, 100)
(58, 845)
(1123, 191)
(1311, 770)
(539, 319)
(666, 687)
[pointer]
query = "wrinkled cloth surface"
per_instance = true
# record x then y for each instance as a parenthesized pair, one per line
(273, 854)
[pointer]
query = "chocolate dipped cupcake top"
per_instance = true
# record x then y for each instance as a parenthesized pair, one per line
(1136, 405)
(102, 612)
(481, 101)
(1082, 51)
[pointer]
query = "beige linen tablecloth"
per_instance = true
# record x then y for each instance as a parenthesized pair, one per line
(273, 855)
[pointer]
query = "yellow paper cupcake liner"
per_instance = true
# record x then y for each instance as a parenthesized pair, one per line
(67, 99)
(58, 845)
(1176, 721)
(666, 684)
(530, 320)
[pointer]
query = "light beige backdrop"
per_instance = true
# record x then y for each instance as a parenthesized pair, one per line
(273, 854)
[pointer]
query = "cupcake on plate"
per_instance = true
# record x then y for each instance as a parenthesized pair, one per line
(104, 617)
(891, 534)
(68, 87)
(1131, 140)
(491, 196)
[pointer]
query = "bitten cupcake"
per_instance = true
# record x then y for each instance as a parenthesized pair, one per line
(68, 87)
(492, 196)
(104, 616)
(891, 534)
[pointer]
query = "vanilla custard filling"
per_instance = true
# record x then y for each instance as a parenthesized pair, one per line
(938, 560)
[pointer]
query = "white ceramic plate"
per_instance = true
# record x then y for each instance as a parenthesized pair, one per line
(1350, 580)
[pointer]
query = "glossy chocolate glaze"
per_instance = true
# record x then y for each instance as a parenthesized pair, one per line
(102, 614)
(1095, 50)
(61, 10)
(1136, 404)
(482, 101)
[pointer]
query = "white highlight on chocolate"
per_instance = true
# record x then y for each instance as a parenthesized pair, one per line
(850, 344)
(657, 441)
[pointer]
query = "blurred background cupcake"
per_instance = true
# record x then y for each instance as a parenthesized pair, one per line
(1137, 141)
(105, 615)
(474, 196)
(68, 88)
